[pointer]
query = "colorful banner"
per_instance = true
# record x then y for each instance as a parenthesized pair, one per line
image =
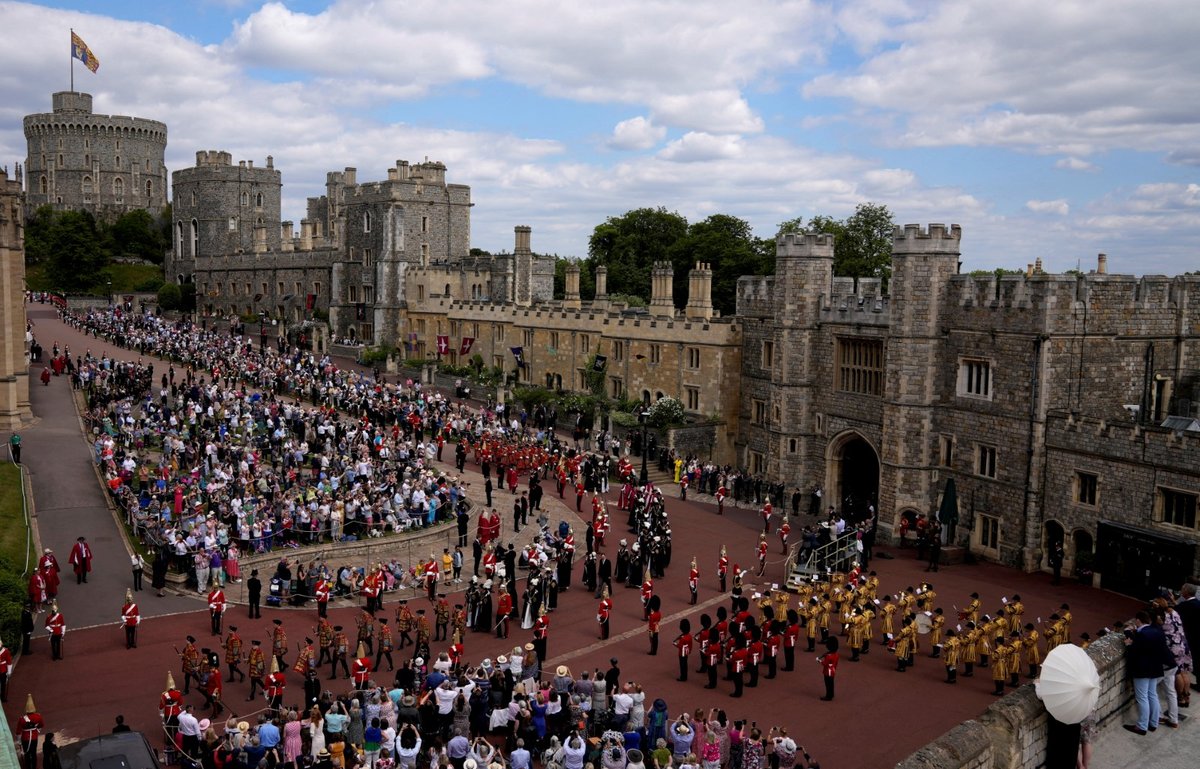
(465, 348)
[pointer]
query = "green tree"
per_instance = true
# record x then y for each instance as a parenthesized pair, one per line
(862, 243)
(136, 234)
(38, 232)
(628, 245)
(790, 225)
(76, 258)
(170, 297)
(727, 244)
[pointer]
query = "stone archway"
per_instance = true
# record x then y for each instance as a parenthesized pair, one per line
(1052, 531)
(852, 475)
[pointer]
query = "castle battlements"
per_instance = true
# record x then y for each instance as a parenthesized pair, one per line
(755, 295)
(803, 240)
(935, 231)
(1123, 440)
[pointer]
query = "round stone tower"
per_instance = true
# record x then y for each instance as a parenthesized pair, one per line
(104, 164)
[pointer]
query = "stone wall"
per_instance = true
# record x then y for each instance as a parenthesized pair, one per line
(14, 368)
(1011, 733)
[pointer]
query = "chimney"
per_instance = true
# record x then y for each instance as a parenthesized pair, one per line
(1028, 270)
(521, 238)
(1102, 264)
(270, 161)
(699, 300)
(286, 237)
(571, 296)
(306, 230)
(602, 283)
(662, 279)
(350, 176)
(260, 239)
(393, 174)
(1037, 266)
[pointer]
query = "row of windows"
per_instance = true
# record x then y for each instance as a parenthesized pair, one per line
(218, 287)
(60, 161)
(87, 187)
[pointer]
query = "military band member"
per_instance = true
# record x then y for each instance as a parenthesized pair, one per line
(968, 649)
(858, 630)
(1013, 666)
(216, 606)
(811, 618)
(1064, 614)
(385, 644)
(233, 654)
(405, 623)
(1000, 654)
(683, 647)
(950, 656)
(983, 643)
(694, 581)
(365, 622)
(738, 661)
(341, 648)
(713, 654)
(791, 637)
(256, 667)
(972, 610)
(937, 623)
(756, 652)
(904, 644)
(279, 643)
(190, 659)
(653, 620)
(131, 617)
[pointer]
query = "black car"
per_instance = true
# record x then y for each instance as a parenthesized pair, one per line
(124, 750)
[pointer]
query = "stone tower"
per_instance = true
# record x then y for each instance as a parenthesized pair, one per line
(217, 206)
(803, 276)
(522, 266)
(14, 370)
(106, 165)
(923, 263)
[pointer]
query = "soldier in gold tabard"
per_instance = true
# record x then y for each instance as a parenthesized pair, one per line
(950, 656)
(937, 623)
(858, 631)
(972, 610)
(905, 640)
(1029, 644)
(1000, 658)
(1064, 613)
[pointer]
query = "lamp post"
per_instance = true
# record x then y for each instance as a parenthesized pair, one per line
(644, 418)
(108, 285)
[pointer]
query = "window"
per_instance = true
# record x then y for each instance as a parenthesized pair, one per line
(87, 144)
(147, 164)
(618, 352)
(42, 186)
(316, 289)
(60, 160)
(366, 221)
(692, 398)
(149, 189)
(758, 463)
(792, 445)
(119, 189)
(87, 161)
(553, 343)
(420, 293)
(1085, 488)
(249, 290)
(424, 253)
(527, 336)
(299, 288)
(258, 200)
(618, 387)
(280, 287)
(233, 224)
(368, 294)
(860, 366)
(366, 332)
(988, 533)
(353, 253)
(946, 452)
(768, 354)
(352, 294)
(245, 198)
(693, 357)
(118, 162)
(975, 378)
(759, 413)
(424, 224)
(366, 257)
(985, 461)
(118, 147)
(656, 353)
(195, 238)
(1178, 507)
(264, 289)
(499, 332)
(585, 343)
(87, 185)
(193, 197)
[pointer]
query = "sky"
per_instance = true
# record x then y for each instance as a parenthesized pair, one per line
(1052, 130)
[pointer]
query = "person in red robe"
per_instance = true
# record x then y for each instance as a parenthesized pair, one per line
(81, 560)
(37, 591)
(48, 566)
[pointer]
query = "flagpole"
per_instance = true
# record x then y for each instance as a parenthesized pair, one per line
(72, 60)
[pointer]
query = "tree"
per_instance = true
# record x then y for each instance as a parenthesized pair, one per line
(137, 235)
(628, 245)
(727, 244)
(862, 243)
(791, 225)
(170, 297)
(665, 412)
(38, 231)
(76, 257)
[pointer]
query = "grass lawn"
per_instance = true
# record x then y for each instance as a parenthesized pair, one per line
(125, 278)
(12, 517)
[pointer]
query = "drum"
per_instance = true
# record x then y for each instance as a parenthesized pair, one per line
(924, 624)
(963, 614)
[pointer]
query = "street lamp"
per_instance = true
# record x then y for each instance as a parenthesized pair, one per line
(108, 285)
(644, 418)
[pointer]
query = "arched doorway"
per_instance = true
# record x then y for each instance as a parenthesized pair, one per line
(852, 476)
(1052, 532)
(1082, 556)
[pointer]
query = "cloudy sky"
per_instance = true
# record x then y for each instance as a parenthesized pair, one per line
(1046, 129)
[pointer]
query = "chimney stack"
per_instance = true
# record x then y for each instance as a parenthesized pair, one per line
(260, 239)
(1037, 266)
(286, 243)
(1102, 264)
(571, 295)
(662, 280)
(602, 283)
(306, 235)
(699, 299)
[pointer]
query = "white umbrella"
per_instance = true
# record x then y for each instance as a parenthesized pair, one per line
(1069, 684)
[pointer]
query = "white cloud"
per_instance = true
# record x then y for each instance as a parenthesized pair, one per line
(693, 147)
(1075, 164)
(1073, 76)
(1058, 206)
(636, 133)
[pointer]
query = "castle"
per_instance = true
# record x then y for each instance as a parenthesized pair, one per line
(14, 367)
(106, 165)
(1064, 407)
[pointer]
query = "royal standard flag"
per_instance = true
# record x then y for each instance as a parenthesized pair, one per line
(80, 50)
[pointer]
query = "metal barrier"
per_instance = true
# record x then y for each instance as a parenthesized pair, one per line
(832, 556)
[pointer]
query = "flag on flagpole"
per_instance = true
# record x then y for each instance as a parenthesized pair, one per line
(599, 363)
(467, 341)
(80, 50)
(519, 353)
(443, 344)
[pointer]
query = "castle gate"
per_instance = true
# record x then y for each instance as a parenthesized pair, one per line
(852, 475)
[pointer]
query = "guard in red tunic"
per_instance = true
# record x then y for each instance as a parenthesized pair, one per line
(767, 511)
(504, 606)
(723, 568)
(213, 690)
(773, 642)
(683, 647)
(737, 661)
(360, 669)
(694, 581)
(56, 626)
(29, 729)
(131, 617)
(321, 591)
(603, 612)
(431, 578)
(5, 670)
(457, 651)
(81, 560)
(653, 620)
(721, 494)
(647, 595)
(170, 705)
(791, 637)
(713, 652)
(762, 554)
(274, 685)
(216, 607)
(785, 528)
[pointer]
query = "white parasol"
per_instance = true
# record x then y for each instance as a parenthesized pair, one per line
(1069, 684)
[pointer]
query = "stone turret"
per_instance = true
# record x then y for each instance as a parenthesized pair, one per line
(571, 294)
(306, 235)
(699, 300)
(662, 300)
(522, 266)
(286, 240)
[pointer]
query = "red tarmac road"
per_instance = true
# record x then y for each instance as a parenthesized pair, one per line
(878, 717)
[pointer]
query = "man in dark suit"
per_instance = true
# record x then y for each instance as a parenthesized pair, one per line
(1189, 611)
(604, 575)
(1147, 655)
